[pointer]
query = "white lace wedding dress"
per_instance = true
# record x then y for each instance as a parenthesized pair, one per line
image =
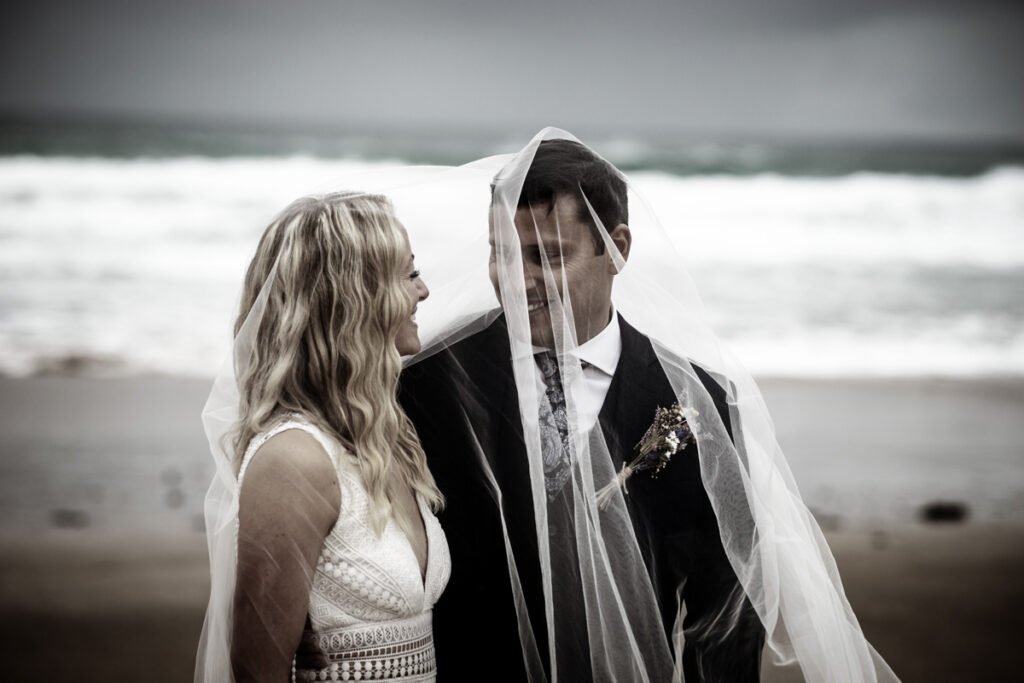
(369, 606)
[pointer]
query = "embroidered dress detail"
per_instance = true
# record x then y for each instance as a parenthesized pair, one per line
(369, 605)
(398, 650)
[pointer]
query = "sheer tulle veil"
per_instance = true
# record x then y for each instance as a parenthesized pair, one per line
(461, 224)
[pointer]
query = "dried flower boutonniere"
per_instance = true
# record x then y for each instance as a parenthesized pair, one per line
(670, 432)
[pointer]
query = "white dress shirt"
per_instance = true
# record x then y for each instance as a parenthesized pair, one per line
(601, 354)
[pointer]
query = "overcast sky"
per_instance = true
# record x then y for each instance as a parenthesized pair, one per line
(748, 68)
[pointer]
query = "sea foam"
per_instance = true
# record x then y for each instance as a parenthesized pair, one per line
(133, 266)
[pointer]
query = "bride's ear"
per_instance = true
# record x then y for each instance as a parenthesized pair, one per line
(622, 238)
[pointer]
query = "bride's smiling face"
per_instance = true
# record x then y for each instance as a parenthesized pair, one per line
(408, 340)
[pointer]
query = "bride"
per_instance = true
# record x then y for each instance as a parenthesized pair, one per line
(322, 536)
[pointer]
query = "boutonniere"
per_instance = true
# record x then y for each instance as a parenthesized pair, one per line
(670, 432)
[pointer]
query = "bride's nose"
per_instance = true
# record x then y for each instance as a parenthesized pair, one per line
(422, 291)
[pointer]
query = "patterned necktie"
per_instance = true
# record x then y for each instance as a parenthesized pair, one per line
(554, 427)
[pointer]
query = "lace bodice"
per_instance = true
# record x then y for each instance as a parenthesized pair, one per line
(369, 605)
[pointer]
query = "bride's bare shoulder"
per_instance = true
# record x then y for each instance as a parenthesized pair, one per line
(292, 463)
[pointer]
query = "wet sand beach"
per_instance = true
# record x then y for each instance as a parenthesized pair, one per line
(940, 604)
(112, 599)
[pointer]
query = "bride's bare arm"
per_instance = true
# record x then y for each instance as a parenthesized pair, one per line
(288, 504)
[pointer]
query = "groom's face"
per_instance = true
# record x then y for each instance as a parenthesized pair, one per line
(562, 271)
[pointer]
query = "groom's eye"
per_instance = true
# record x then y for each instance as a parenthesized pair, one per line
(550, 255)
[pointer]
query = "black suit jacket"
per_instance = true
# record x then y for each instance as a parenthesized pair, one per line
(475, 624)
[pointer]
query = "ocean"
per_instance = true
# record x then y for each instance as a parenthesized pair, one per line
(122, 247)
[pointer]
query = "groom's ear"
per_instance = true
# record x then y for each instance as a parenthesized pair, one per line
(622, 238)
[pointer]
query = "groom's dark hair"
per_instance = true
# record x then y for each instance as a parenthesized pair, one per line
(565, 167)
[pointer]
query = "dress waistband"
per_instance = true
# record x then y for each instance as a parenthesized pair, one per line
(402, 649)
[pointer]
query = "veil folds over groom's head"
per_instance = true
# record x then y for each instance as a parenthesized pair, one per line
(561, 167)
(638, 572)
(571, 202)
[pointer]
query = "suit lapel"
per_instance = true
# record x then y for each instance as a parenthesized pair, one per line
(482, 374)
(638, 387)
(494, 416)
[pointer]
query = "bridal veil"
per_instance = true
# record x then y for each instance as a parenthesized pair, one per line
(461, 222)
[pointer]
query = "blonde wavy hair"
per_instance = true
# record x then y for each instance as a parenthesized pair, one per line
(325, 344)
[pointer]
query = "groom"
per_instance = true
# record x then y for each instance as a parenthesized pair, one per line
(464, 400)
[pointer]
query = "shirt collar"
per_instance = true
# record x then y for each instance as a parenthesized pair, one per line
(602, 351)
